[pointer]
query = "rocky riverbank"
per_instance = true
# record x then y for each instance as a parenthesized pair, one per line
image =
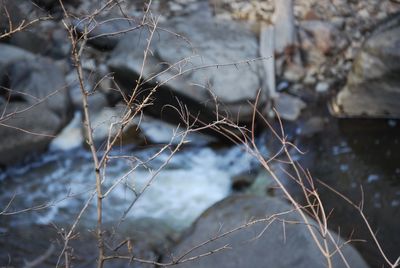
(219, 41)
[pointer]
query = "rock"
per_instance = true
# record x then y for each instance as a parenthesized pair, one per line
(311, 126)
(243, 180)
(160, 132)
(106, 122)
(310, 78)
(70, 137)
(38, 79)
(363, 13)
(319, 39)
(10, 54)
(105, 33)
(294, 73)
(258, 245)
(149, 238)
(29, 40)
(262, 184)
(45, 37)
(26, 132)
(96, 101)
(175, 7)
(373, 85)
(202, 44)
(288, 106)
(15, 16)
(338, 22)
(35, 104)
(322, 87)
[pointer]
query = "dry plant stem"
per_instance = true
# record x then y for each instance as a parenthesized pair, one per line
(27, 131)
(70, 233)
(324, 249)
(360, 211)
(183, 258)
(129, 115)
(87, 124)
(4, 117)
(76, 54)
(22, 26)
(98, 164)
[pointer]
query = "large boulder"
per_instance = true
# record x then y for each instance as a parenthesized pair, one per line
(373, 85)
(11, 53)
(34, 102)
(28, 131)
(105, 32)
(195, 58)
(37, 35)
(263, 244)
(148, 239)
(45, 37)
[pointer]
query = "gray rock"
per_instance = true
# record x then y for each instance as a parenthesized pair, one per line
(294, 73)
(97, 100)
(199, 42)
(14, 15)
(105, 33)
(289, 107)
(27, 132)
(103, 119)
(160, 132)
(38, 79)
(70, 137)
(11, 53)
(258, 245)
(263, 185)
(243, 180)
(311, 126)
(319, 39)
(373, 85)
(35, 103)
(150, 239)
(46, 37)
(322, 87)
(29, 40)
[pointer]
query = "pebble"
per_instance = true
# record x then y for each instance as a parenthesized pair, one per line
(309, 79)
(289, 107)
(322, 87)
(363, 13)
(294, 73)
(175, 7)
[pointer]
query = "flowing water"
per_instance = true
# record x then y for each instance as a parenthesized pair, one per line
(346, 155)
(194, 179)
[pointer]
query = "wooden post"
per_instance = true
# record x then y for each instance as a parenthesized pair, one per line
(283, 20)
(267, 52)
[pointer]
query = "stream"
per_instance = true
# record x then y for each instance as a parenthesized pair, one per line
(346, 155)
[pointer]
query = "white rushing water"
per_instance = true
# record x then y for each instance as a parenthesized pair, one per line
(194, 179)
